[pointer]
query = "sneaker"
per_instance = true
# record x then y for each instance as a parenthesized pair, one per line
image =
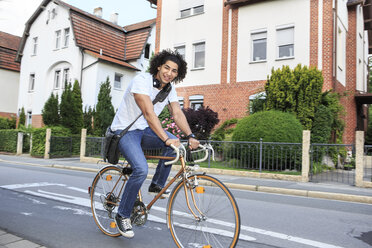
(154, 189)
(124, 226)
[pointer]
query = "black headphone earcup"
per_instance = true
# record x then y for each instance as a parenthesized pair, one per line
(156, 83)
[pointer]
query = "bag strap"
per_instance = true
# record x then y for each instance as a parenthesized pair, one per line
(160, 97)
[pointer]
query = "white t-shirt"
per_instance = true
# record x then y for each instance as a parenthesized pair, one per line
(128, 110)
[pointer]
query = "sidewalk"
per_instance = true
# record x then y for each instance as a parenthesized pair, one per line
(332, 191)
(8, 240)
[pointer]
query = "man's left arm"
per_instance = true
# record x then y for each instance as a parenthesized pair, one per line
(181, 122)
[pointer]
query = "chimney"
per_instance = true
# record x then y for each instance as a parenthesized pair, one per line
(114, 18)
(98, 12)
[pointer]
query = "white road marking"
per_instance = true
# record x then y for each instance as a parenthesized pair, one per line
(86, 203)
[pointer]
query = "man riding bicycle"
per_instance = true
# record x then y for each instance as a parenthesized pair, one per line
(147, 132)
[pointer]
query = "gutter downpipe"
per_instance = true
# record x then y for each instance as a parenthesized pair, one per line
(81, 68)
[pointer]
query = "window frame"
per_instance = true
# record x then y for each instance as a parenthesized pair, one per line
(147, 50)
(34, 47)
(181, 46)
(194, 67)
(121, 81)
(192, 11)
(196, 100)
(31, 82)
(57, 39)
(278, 46)
(65, 76)
(257, 33)
(66, 37)
(57, 79)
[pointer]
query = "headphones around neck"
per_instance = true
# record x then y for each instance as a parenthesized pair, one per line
(156, 83)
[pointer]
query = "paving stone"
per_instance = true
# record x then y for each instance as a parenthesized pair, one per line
(8, 238)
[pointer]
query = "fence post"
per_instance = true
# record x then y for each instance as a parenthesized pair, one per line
(47, 143)
(260, 155)
(20, 143)
(83, 144)
(359, 158)
(305, 155)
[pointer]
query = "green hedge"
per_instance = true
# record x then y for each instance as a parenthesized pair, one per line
(39, 135)
(8, 140)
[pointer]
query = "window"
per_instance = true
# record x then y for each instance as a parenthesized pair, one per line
(29, 119)
(285, 42)
(57, 76)
(58, 39)
(31, 84)
(199, 55)
(181, 50)
(65, 77)
(34, 50)
(117, 82)
(259, 43)
(340, 49)
(180, 101)
(147, 51)
(191, 7)
(196, 101)
(66, 37)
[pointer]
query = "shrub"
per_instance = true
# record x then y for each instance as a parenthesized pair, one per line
(169, 125)
(225, 128)
(322, 125)
(50, 111)
(22, 117)
(104, 110)
(8, 140)
(201, 121)
(6, 123)
(38, 138)
(297, 91)
(271, 126)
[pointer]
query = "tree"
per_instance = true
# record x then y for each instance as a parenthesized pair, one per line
(201, 121)
(22, 117)
(76, 109)
(65, 106)
(297, 91)
(104, 109)
(50, 111)
(88, 117)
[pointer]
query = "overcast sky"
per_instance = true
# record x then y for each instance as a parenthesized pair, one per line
(15, 13)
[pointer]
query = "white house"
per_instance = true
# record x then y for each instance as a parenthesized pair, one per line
(63, 43)
(231, 47)
(9, 75)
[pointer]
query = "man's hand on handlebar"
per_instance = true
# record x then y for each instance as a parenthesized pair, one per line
(193, 143)
(175, 142)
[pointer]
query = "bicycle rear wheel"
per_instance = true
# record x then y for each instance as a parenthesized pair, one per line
(218, 219)
(105, 195)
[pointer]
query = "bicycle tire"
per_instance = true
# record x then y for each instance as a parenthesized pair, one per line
(104, 212)
(221, 225)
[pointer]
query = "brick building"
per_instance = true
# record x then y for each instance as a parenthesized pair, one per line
(232, 45)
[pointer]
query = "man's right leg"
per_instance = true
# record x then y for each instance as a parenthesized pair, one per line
(130, 147)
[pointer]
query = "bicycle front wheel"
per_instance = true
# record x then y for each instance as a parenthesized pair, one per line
(105, 195)
(203, 213)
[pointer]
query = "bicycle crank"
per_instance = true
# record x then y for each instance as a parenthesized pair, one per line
(139, 213)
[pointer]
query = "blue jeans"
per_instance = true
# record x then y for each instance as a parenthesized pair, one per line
(131, 145)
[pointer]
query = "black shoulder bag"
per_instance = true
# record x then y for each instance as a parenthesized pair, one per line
(111, 153)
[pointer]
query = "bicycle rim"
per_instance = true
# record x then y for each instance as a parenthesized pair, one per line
(106, 190)
(219, 223)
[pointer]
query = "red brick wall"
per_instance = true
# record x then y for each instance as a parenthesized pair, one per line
(327, 45)
(8, 115)
(229, 100)
(158, 26)
(234, 44)
(314, 33)
(37, 121)
(225, 42)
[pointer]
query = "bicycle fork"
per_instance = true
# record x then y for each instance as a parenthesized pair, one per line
(188, 186)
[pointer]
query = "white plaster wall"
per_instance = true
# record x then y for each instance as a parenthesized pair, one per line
(186, 31)
(9, 80)
(47, 59)
(142, 63)
(343, 24)
(362, 54)
(269, 15)
(103, 71)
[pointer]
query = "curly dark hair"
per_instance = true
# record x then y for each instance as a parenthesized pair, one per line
(165, 55)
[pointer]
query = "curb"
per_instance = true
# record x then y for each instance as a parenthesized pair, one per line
(257, 188)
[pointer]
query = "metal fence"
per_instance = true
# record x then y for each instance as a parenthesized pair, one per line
(64, 146)
(257, 156)
(367, 171)
(332, 163)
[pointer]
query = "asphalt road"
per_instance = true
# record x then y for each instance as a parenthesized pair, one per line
(51, 207)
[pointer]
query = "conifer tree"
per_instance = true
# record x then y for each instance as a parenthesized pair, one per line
(76, 109)
(22, 117)
(50, 111)
(104, 109)
(88, 116)
(65, 106)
